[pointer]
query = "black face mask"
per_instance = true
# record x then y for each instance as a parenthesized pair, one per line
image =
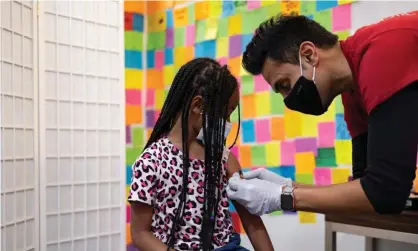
(304, 96)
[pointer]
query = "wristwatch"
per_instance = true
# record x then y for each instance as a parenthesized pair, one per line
(287, 199)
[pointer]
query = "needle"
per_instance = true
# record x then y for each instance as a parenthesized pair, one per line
(241, 175)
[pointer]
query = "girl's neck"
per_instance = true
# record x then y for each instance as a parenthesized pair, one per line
(176, 136)
(196, 151)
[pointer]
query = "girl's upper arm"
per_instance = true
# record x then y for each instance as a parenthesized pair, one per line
(144, 179)
(233, 165)
(141, 216)
(143, 185)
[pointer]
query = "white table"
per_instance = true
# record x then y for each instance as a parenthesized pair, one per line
(402, 228)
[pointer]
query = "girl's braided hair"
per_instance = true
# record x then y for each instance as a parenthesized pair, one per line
(205, 77)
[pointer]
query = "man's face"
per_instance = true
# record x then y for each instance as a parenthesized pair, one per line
(282, 78)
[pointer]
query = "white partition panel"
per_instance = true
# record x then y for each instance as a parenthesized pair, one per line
(18, 127)
(81, 121)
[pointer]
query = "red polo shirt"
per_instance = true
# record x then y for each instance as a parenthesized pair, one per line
(383, 58)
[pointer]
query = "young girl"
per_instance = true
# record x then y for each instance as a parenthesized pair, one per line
(178, 190)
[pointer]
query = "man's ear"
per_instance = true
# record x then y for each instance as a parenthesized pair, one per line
(309, 51)
(196, 106)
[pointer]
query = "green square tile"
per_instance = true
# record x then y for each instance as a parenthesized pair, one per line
(326, 157)
(137, 40)
(223, 27)
(128, 40)
(234, 115)
(134, 40)
(253, 19)
(179, 36)
(276, 213)
(137, 136)
(277, 103)
(190, 14)
(324, 18)
(247, 85)
(200, 30)
(240, 6)
(152, 40)
(307, 8)
(132, 153)
(156, 40)
(160, 40)
(343, 35)
(304, 178)
(339, 108)
(274, 9)
(258, 155)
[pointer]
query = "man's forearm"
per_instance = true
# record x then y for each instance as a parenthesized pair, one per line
(146, 241)
(296, 184)
(340, 198)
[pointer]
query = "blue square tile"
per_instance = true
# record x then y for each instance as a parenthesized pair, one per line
(168, 56)
(248, 131)
(323, 5)
(151, 59)
(128, 174)
(288, 172)
(138, 22)
(169, 14)
(206, 49)
(133, 59)
(246, 39)
(341, 131)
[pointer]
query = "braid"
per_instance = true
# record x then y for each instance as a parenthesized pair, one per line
(186, 165)
(201, 76)
(172, 103)
(218, 99)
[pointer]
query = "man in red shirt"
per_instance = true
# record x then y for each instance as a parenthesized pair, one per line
(376, 72)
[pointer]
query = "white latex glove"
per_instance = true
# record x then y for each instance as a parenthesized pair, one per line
(257, 196)
(264, 174)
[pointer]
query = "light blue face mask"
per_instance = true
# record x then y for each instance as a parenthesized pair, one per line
(228, 127)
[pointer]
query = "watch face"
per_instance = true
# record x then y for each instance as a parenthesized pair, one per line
(287, 202)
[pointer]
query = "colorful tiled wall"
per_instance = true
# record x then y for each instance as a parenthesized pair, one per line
(134, 87)
(305, 148)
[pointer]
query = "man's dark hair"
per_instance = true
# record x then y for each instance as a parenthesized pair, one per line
(215, 83)
(280, 37)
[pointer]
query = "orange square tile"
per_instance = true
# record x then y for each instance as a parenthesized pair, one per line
(234, 65)
(155, 79)
(134, 6)
(248, 106)
(133, 114)
(201, 10)
(305, 162)
(232, 135)
(128, 234)
(245, 156)
(277, 128)
(154, 6)
(188, 53)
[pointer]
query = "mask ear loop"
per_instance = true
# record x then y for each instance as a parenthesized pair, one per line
(301, 72)
(300, 64)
